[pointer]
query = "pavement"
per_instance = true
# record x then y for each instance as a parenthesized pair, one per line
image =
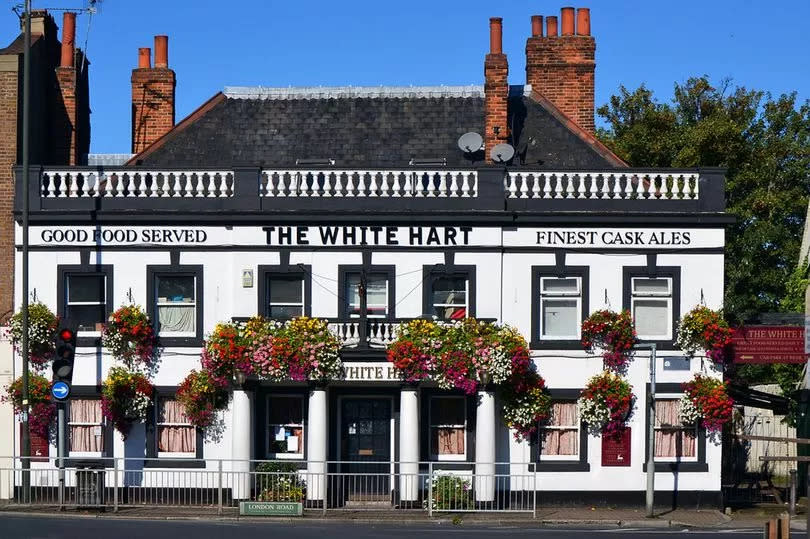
(591, 517)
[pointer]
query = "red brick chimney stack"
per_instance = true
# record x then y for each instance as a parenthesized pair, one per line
(561, 68)
(153, 92)
(65, 126)
(496, 89)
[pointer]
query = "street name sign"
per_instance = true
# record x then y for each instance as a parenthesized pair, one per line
(271, 509)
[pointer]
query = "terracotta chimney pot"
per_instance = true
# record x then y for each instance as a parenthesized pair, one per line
(537, 25)
(583, 21)
(495, 35)
(551, 26)
(162, 52)
(68, 39)
(144, 58)
(567, 16)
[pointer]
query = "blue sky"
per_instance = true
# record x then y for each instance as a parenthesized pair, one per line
(759, 44)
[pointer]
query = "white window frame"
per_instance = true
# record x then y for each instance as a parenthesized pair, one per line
(431, 426)
(85, 454)
(159, 304)
(68, 303)
(351, 306)
(270, 277)
(451, 305)
(271, 430)
(653, 295)
(676, 396)
(158, 424)
(561, 295)
(566, 458)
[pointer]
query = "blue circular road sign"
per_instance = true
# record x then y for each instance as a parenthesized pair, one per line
(60, 390)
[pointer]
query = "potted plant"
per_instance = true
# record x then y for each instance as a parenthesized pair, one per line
(606, 403)
(450, 493)
(125, 398)
(706, 400)
(704, 329)
(42, 325)
(280, 482)
(41, 407)
(614, 333)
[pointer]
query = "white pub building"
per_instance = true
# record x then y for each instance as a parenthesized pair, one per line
(357, 205)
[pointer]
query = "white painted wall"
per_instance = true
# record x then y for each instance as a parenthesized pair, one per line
(8, 433)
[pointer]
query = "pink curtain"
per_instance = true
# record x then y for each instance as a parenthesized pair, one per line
(561, 441)
(671, 439)
(86, 437)
(175, 439)
(450, 441)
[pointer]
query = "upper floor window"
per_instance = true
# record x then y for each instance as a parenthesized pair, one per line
(85, 294)
(285, 296)
(651, 307)
(176, 302)
(449, 294)
(375, 287)
(559, 305)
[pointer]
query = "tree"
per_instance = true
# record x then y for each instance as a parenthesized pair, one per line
(764, 142)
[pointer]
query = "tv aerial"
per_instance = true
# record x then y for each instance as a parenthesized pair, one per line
(502, 153)
(470, 142)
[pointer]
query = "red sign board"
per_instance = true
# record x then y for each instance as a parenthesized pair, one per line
(40, 448)
(768, 344)
(616, 449)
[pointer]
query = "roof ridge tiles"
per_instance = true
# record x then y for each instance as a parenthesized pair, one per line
(351, 92)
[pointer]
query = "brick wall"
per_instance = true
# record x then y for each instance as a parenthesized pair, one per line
(496, 91)
(9, 89)
(152, 105)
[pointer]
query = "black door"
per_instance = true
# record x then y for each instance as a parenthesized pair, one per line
(365, 439)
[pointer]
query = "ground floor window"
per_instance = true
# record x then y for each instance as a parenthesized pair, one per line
(559, 437)
(448, 428)
(285, 426)
(176, 436)
(673, 439)
(85, 427)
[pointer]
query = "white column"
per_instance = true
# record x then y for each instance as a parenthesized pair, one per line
(241, 443)
(485, 447)
(409, 444)
(316, 445)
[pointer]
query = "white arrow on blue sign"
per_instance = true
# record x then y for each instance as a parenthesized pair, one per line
(60, 390)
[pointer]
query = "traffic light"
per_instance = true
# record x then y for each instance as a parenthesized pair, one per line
(65, 351)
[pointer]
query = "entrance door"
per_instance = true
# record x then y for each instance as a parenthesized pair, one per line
(365, 440)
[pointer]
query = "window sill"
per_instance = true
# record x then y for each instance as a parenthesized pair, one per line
(562, 466)
(88, 342)
(562, 344)
(170, 342)
(89, 462)
(174, 463)
(688, 467)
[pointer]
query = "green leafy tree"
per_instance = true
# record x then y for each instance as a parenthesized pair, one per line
(764, 143)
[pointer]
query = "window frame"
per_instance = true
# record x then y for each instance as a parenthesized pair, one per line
(539, 273)
(344, 270)
(171, 454)
(437, 457)
(84, 338)
(73, 457)
(667, 390)
(266, 272)
(298, 456)
(154, 459)
(571, 464)
(655, 272)
(660, 396)
(438, 271)
(196, 271)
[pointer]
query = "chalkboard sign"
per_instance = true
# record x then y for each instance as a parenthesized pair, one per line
(616, 449)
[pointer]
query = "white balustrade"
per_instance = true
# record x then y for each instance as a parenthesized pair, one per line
(282, 183)
(601, 185)
(137, 183)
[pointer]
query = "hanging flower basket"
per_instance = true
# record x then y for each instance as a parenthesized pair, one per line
(125, 398)
(606, 403)
(201, 395)
(706, 400)
(129, 336)
(41, 407)
(225, 352)
(704, 329)
(526, 401)
(413, 353)
(614, 333)
(42, 325)
(315, 350)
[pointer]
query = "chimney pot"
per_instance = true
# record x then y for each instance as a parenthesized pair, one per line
(583, 21)
(567, 16)
(495, 35)
(162, 52)
(144, 58)
(537, 26)
(551, 26)
(68, 39)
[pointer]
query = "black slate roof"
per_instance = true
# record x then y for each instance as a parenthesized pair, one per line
(376, 131)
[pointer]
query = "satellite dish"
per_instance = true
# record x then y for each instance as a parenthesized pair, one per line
(501, 153)
(470, 142)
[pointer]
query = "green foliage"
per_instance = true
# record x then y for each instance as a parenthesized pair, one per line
(451, 492)
(279, 482)
(795, 288)
(764, 142)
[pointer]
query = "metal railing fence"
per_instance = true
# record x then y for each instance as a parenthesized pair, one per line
(220, 484)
